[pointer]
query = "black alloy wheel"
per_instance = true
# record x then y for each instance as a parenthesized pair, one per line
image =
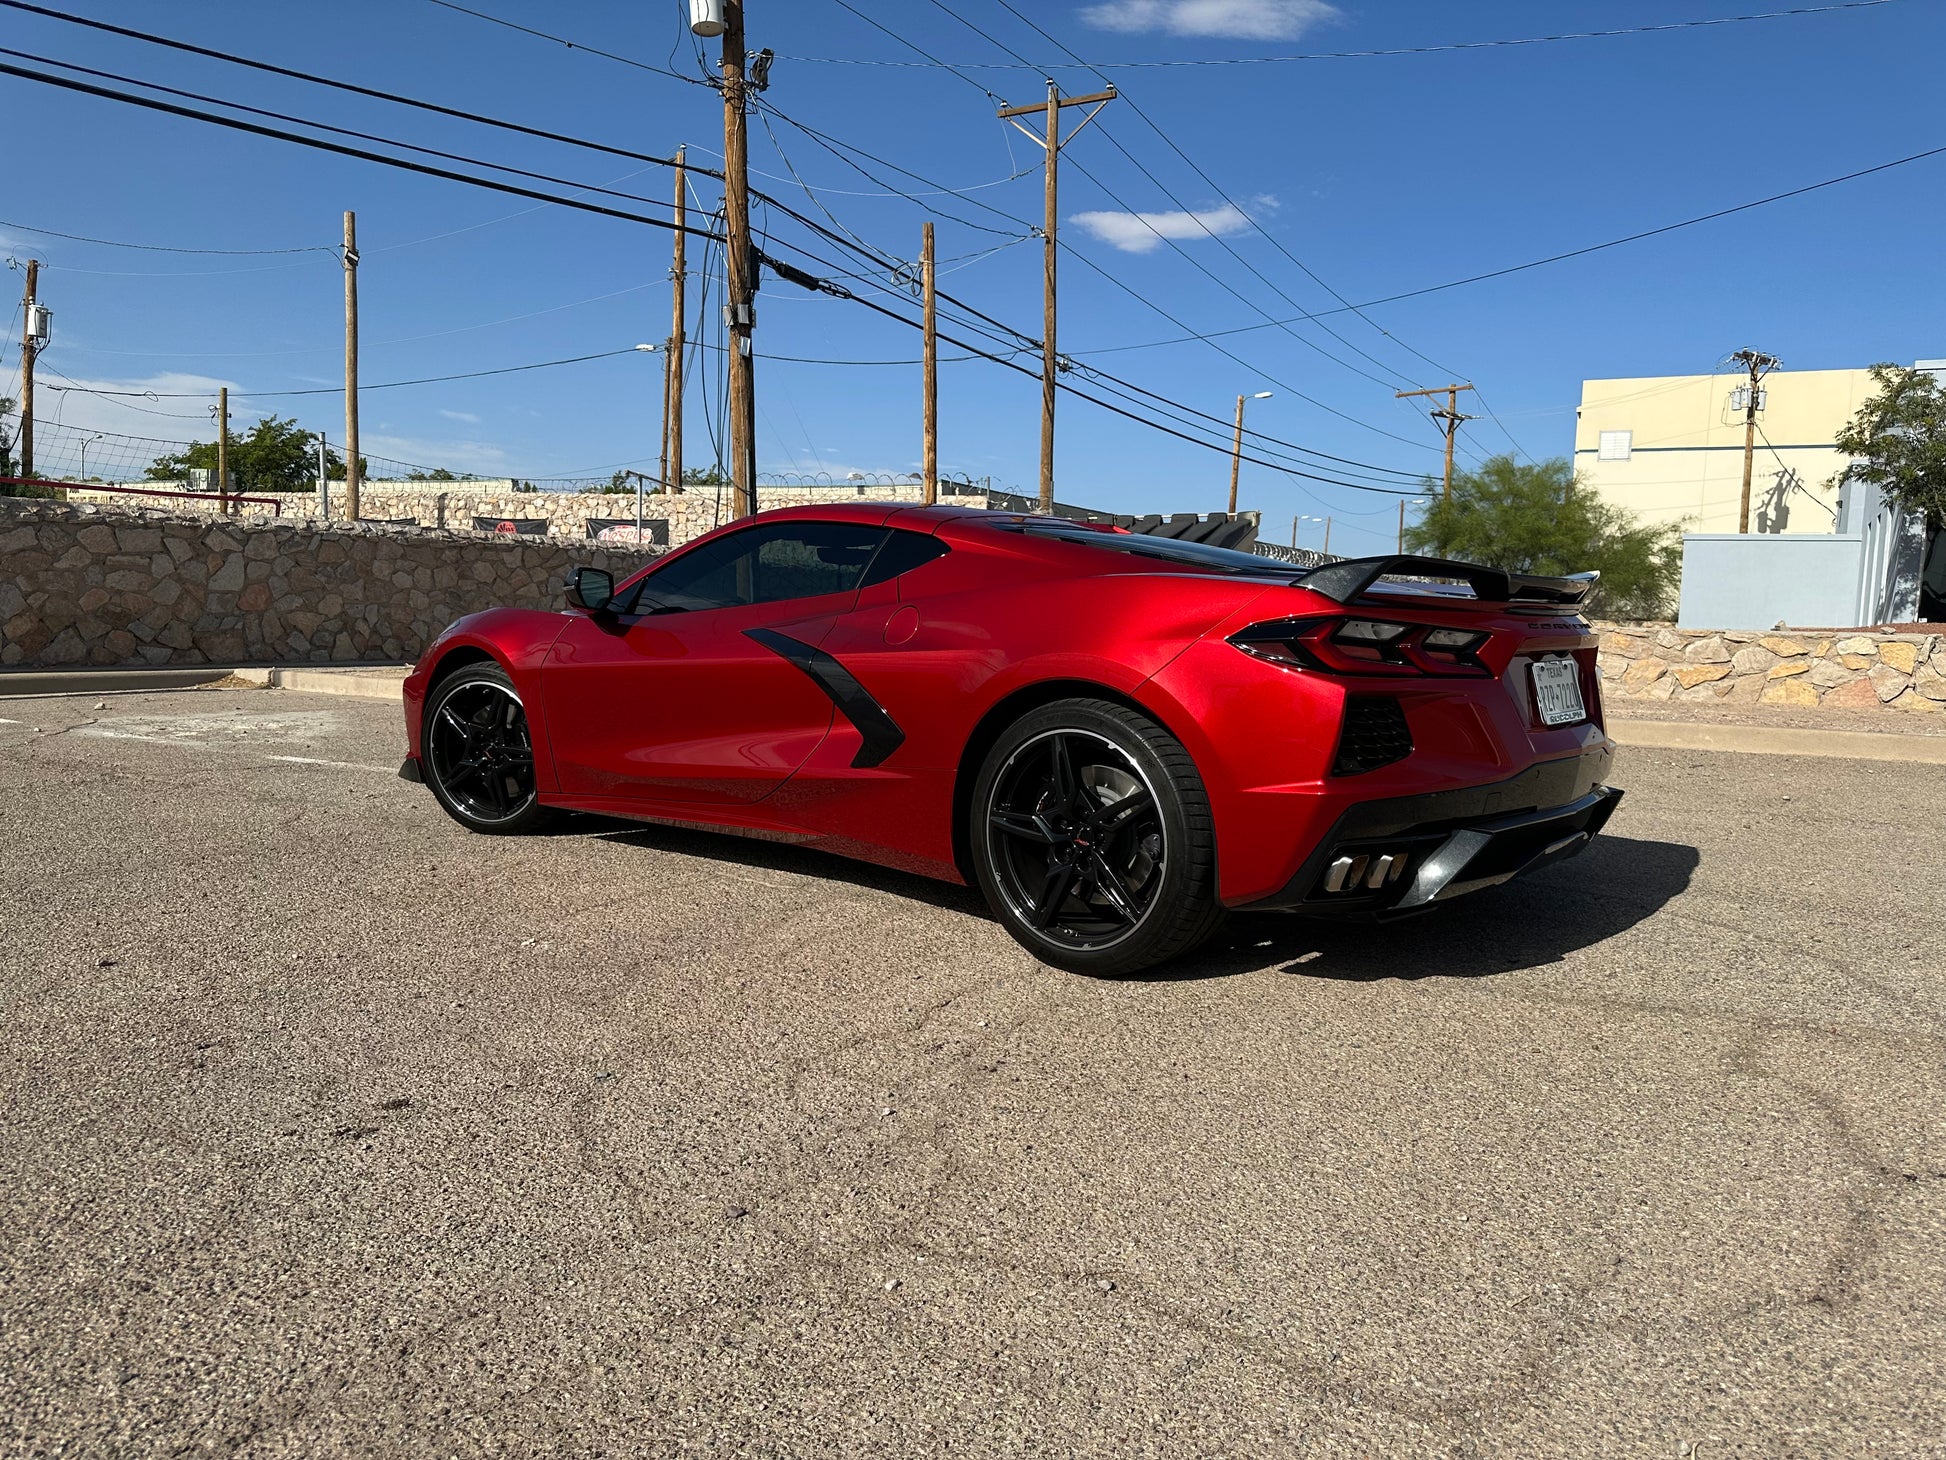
(1092, 839)
(477, 755)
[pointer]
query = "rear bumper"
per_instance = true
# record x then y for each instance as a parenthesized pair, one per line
(1449, 843)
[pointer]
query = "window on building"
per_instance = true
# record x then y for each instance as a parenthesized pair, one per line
(1616, 445)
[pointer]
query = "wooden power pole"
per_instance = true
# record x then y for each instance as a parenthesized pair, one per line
(672, 358)
(1052, 142)
(30, 346)
(1449, 420)
(223, 450)
(740, 272)
(1759, 365)
(928, 281)
(352, 473)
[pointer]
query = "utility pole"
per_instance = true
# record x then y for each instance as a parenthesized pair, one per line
(1236, 447)
(1759, 365)
(928, 281)
(672, 361)
(1052, 142)
(1236, 465)
(1450, 420)
(1402, 526)
(351, 367)
(223, 450)
(1327, 536)
(29, 347)
(741, 268)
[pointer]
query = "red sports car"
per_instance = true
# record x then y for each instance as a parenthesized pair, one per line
(1116, 736)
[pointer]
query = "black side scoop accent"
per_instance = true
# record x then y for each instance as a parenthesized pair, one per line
(881, 733)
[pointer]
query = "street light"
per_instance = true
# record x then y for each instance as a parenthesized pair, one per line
(84, 452)
(1236, 451)
(1306, 517)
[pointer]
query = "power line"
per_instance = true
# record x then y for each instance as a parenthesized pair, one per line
(1551, 258)
(571, 45)
(1274, 242)
(1428, 50)
(321, 145)
(1125, 287)
(277, 134)
(161, 248)
(338, 390)
(346, 86)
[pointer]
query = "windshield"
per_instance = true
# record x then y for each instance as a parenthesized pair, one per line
(1196, 555)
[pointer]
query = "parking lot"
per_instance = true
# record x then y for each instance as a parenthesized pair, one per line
(333, 1130)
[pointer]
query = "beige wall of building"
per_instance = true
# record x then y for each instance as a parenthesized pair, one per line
(1670, 448)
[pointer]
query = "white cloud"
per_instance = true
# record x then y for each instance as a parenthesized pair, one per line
(1145, 232)
(465, 416)
(1258, 20)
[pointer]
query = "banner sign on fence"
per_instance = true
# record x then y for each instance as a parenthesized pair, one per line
(525, 526)
(622, 529)
(390, 521)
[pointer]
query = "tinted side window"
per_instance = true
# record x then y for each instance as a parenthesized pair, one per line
(903, 552)
(764, 565)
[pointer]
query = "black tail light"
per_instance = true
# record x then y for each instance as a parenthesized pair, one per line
(1365, 646)
(1375, 734)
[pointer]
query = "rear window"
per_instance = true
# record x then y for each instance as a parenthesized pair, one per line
(1141, 545)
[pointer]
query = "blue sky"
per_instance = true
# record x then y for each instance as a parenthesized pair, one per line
(1382, 174)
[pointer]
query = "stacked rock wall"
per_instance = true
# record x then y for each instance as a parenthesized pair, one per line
(452, 506)
(105, 586)
(1844, 671)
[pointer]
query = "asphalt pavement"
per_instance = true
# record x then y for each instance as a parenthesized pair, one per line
(332, 1130)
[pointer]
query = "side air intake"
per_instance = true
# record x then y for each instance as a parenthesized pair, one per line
(1375, 734)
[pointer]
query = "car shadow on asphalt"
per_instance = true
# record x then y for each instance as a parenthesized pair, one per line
(1616, 884)
(756, 853)
(1541, 919)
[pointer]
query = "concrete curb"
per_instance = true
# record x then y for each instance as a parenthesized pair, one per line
(1768, 740)
(379, 683)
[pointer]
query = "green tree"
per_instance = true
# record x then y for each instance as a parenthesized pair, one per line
(1897, 442)
(704, 476)
(274, 456)
(8, 466)
(437, 474)
(1544, 519)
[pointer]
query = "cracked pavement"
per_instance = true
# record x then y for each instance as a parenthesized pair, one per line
(333, 1130)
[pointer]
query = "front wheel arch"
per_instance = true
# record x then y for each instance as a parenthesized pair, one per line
(994, 722)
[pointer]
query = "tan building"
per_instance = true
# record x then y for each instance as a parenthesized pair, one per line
(1670, 448)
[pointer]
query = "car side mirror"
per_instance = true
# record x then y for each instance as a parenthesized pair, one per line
(592, 589)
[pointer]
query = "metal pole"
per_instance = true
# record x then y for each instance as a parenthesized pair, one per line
(672, 372)
(352, 473)
(223, 450)
(324, 480)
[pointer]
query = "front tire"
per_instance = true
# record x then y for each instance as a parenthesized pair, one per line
(477, 756)
(1092, 839)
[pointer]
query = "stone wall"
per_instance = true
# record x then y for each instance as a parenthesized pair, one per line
(452, 506)
(1849, 671)
(109, 586)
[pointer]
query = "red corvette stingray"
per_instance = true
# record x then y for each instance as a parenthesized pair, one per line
(1115, 736)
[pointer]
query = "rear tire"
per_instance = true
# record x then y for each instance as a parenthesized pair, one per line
(1092, 839)
(477, 756)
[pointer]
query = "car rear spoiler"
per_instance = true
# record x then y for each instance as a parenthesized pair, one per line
(1344, 581)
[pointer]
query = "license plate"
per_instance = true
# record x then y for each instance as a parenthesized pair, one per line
(1557, 691)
